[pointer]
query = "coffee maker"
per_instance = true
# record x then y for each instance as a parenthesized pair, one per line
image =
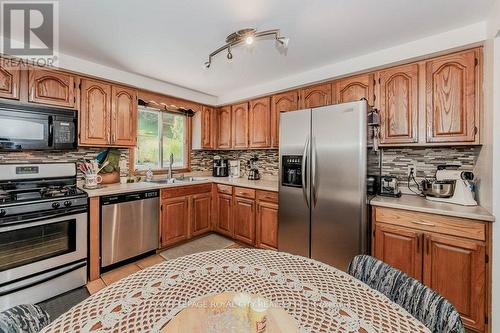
(253, 172)
(220, 168)
(234, 168)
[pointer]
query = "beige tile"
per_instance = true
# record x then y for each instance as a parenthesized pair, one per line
(149, 261)
(119, 273)
(95, 286)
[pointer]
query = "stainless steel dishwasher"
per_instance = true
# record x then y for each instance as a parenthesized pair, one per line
(129, 225)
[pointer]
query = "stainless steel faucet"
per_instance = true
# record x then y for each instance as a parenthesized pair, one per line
(170, 164)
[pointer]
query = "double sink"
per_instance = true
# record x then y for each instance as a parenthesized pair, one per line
(178, 181)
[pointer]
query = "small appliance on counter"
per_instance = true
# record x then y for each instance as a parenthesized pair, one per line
(451, 185)
(253, 172)
(389, 186)
(234, 168)
(220, 167)
(372, 184)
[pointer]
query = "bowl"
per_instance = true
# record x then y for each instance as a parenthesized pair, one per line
(440, 189)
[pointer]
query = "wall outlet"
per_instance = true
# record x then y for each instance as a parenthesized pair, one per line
(412, 167)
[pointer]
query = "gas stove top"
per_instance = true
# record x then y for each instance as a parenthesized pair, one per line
(38, 188)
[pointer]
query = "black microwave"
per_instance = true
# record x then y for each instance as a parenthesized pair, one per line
(33, 127)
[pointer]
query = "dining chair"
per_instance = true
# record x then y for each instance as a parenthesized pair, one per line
(423, 303)
(26, 318)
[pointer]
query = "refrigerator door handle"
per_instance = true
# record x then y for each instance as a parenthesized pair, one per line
(305, 185)
(314, 171)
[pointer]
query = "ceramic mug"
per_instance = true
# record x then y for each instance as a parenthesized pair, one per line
(92, 181)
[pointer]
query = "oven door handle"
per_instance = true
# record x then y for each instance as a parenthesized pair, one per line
(16, 225)
(41, 278)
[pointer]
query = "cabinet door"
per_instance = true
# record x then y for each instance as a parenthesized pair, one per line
(354, 88)
(452, 107)
(399, 104)
(174, 220)
(399, 247)
(52, 87)
(201, 213)
(267, 225)
(240, 125)
(260, 123)
(224, 223)
(244, 220)
(207, 128)
(316, 96)
(124, 116)
(455, 268)
(9, 79)
(224, 127)
(95, 113)
(284, 102)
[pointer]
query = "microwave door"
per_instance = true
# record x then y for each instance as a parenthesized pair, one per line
(19, 131)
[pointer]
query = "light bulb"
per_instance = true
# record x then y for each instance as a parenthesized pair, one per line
(249, 40)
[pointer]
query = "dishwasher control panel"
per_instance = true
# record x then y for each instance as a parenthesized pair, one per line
(114, 199)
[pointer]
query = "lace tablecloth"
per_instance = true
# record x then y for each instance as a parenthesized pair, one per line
(319, 297)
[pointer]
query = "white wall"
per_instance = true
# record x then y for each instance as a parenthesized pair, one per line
(492, 109)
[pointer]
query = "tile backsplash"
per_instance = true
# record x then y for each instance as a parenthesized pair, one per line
(59, 156)
(395, 161)
(201, 160)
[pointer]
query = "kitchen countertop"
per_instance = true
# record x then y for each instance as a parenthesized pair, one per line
(266, 184)
(420, 204)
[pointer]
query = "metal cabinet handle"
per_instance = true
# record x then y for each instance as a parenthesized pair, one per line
(304, 172)
(419, 222)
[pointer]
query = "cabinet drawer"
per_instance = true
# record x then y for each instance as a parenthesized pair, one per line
(267, 196)
(226, 189)
(454, 226)
(185, 190)
(244, 192)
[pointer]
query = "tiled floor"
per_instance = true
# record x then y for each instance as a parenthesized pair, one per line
(207, 243)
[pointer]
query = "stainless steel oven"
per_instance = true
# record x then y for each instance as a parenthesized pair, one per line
(30, 127)
(35, 252)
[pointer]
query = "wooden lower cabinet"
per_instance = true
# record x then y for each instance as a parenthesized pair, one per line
(244, 220)
(455, 268)
(267, 225)
(400, 248)
(432, 252)
(174, 220)
(224, 224)
(201, 209)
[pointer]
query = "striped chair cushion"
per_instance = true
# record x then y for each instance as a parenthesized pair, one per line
(23, 319)
(433, 310)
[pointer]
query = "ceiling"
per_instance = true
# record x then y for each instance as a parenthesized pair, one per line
(169, 40)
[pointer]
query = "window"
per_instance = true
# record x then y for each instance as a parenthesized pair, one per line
(159, 134)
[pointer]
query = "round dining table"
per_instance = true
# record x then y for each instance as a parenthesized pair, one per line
(319, 297)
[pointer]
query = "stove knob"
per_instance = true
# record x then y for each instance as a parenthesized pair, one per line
(3, 212)
(56, 205)
(67, 203)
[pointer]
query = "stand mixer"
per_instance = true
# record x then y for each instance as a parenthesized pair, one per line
(461, 186)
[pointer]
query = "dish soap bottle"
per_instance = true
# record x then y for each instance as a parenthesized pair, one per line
(149, 174)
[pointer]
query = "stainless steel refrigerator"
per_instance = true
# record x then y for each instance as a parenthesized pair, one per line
(322, 191)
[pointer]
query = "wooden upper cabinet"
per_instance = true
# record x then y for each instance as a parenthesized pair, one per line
(123, 116)
(244, 220)
(399, 247)
(207, 128)
(283, 102)
(240, 125)
(94, 116)
(398, 102)
(9, 79)
(455, 268)
(452, 93)
(224, 124)
(52, 87)
(174, 220)
(316, 96)
(201, 211)
(354, 88)
(259, 123)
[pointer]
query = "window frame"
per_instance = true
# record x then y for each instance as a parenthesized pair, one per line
(187, 145)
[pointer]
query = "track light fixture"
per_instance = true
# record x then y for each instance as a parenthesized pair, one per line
(247, 36)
